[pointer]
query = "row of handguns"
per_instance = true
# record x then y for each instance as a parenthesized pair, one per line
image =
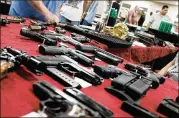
(122, 86)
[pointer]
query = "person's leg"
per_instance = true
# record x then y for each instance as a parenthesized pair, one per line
(86, 23)
(63, 20)
(75, 23)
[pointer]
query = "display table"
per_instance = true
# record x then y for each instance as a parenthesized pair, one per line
(18, 99)
(137, 54)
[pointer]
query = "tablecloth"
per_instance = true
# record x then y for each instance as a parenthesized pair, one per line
(18, 99)
(138, 54)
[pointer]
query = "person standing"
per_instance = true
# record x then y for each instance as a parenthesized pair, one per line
(71, 12)
(38, 9)
(142, 18)
(157, 18)
(133, 16)
(113, 13)
(88, 17)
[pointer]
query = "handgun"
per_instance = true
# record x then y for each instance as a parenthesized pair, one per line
(108, 71)
(56, 103)
(62, 50)
(81, 72)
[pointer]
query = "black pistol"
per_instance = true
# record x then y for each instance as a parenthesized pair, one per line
(107, 71)
(55, 103)
(62, 50)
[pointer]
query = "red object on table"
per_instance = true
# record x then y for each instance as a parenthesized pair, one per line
(18, 99)
(99, 45)
(137, 54)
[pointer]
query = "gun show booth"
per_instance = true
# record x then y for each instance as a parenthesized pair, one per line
(110, 65)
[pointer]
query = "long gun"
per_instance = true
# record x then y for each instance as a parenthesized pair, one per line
(63, 50)
(38, 37)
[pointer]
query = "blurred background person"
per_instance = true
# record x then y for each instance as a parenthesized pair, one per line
(158, 17)
(72, 11)
(38, 9)
(133, 16)
(141, 17)
(113, 13)
(88, 17)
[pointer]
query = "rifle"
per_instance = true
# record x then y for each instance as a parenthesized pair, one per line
(63, 50)
(38, 37)
(55, 103)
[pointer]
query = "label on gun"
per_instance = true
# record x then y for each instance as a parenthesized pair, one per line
(82, 82)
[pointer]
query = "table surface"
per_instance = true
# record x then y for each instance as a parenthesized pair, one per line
(18, 99)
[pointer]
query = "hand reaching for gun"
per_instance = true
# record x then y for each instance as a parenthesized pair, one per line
(52, 18)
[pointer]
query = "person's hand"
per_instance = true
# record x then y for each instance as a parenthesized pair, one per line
(51, 18)
(83, 15)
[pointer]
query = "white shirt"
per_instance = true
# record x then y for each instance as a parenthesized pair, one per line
(156, 20)
(73, 11)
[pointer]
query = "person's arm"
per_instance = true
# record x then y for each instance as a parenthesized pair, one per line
(86, 6)
(130, 17)
(150, 23)
(42, 9)
(164, 70)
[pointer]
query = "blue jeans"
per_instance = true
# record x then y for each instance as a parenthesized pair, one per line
(84, 22)
(65, 21)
